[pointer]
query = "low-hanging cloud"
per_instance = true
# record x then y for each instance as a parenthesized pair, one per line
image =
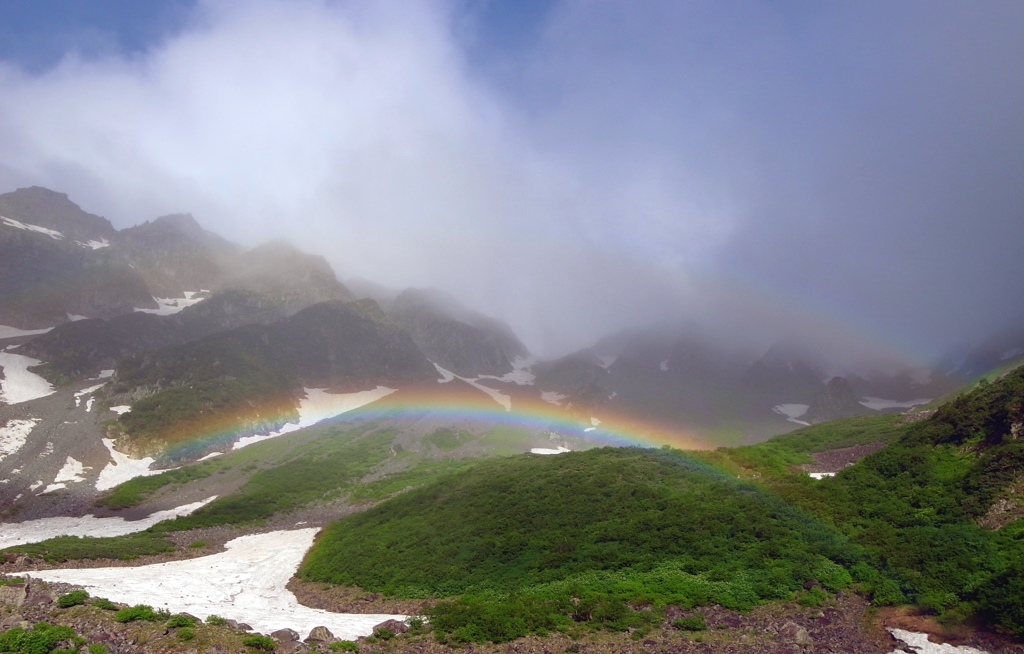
(842, 160)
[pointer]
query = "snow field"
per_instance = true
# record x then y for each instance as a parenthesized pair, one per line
(792, 412)
(320, 405)
(20, 385)
(552, 397)
(52, 233)
(548, 450)
(73, 471)
(920, 644)
(520, 374)
(171, 305)
(13, 436)
(34, 531)
(879, 403)
(122, 468)
(14, 332)
(93, 244)
(245, 583)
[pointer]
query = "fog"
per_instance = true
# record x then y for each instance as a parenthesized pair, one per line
(848, 172)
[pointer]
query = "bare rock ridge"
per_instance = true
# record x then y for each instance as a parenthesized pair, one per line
(459, 340)
(836, 400)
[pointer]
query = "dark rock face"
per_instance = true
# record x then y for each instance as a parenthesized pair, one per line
(466, 343)
(40, 206)
(836, 400)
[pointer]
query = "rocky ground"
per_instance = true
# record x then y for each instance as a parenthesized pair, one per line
(836, 459)
(845, 624)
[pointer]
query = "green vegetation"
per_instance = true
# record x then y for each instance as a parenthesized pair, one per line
(446, 439)
(137, 490)
(520, 537)
(216, 620)
(344, 646)
(74, 598)
(11, 580)
(693, 622)
(260, 642)
(68, 548)
(139, 612)
(423, 472)
(105, 604)
(180, 621)
(41, 639)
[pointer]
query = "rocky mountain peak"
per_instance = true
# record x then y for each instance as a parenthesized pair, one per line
(837, 400)
(40, 206)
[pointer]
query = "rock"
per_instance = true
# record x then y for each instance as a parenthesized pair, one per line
(793, 632)
(238, 626)
(10, 620)
(292, 647)
(321, 635)
(285, 635)
(396, 626)
(14, 594)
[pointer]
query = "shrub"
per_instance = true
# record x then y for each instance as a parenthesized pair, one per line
(12, 580)
(258, 641)
(383, 633)
(216, 620)
(196, 544)
(137, 612)
(97, 648)
(344, 646)
(104, 603)
(180, 621)
(74, 598)
(41, 638)
(693, 622)
(186, 633)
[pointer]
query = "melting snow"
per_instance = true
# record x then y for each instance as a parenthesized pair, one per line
(14, 332)
(520, 374)
(73, 471)
(548, 450)
(320, 405)
(122, 468)
(878, 403)
(446, 375)
(211, 455)
(13, 436)
(170, 305)
(920, 644)
(552, 397)
(821, 475)
(121, 409)
(92, 244)
(75, 318)
(104, 374)
(87, 391)
(245, 583)
(52, 233)
(594, 421)
(33, 531)
(792, 412)
(20, 385)
(497, 396)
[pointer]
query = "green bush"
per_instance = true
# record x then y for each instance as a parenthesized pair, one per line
(74, 598)
(344, 646)
(216, 620)
(180, 621)
(693, 622)
(383, 633)
(97, 648)
(261, 642)
(186, 633)
(196, 544)
(11, 580)
(104, 603)
(41, 639)
(137, 612)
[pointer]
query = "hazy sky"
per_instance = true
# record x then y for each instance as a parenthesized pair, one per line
(854, 171)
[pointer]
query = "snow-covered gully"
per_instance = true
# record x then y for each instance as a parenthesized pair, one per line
(245, 583)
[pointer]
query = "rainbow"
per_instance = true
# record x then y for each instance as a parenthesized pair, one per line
(451, 404)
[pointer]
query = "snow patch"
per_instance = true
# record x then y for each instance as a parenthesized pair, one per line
(33, 531)
(664, 365)
(14, 332)
(87, 391)
(594, 421)
(606, 361)
(13, 436)
(73, 471)
(104, 374)
(552, 397)
(92, 244)
(171, 305)
(497, 396)
(878, 403)
(920, 644)
(446, 375)
(121, 409)
(319, 405)
(20, 385)
(52, 233)
(122, 468)
(548, 450)
(792, 412)
(245, 583)
(520, 374)
(211, 455)
(820, 475)
(75, 317)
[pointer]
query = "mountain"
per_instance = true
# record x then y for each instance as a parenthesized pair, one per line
(836, 400)
(459, 340)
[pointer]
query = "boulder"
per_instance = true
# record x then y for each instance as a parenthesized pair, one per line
(285, 635)
(320, 635)
(396, 626)
(14, 594)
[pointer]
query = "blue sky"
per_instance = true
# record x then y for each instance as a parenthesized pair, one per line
(573, 167)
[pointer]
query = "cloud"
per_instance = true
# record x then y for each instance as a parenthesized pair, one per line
(620, 168)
